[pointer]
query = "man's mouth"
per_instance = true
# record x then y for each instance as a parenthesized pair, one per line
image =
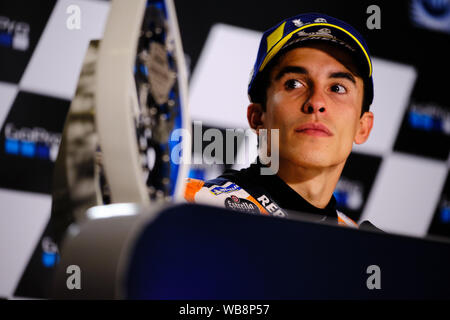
(314, 129)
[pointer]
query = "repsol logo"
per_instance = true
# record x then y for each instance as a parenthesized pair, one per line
(14, 34)
(271, 206)
(31, 142)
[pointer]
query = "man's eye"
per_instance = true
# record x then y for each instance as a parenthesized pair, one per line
(338, 88)
(293, 84)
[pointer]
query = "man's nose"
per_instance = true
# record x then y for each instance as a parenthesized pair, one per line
(314, 103)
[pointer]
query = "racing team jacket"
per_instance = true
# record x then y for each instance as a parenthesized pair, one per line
(248, 191)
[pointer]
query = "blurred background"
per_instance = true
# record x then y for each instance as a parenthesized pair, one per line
(399, 179)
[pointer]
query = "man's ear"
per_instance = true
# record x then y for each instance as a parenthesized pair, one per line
(255, 116)
(364, 127)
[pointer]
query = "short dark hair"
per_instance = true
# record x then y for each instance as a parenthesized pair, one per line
(262, 81)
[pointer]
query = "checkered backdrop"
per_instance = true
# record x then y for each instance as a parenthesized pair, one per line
(399, 179)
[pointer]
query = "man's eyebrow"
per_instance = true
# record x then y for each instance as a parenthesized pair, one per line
(346, 75)
(290, 69)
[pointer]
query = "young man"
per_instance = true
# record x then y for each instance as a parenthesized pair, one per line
(312, 81)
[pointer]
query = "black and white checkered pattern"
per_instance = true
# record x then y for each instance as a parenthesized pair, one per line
(40, 69)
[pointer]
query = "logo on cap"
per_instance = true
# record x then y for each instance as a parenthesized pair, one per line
(322, 32)
(320, 20)
(297, 22)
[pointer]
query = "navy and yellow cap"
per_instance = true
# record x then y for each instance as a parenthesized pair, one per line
(311, 26)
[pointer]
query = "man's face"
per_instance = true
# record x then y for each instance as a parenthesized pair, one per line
(314, 99)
